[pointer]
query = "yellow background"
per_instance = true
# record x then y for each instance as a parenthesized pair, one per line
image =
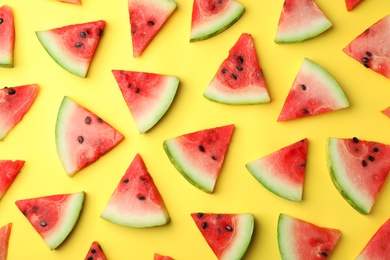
(257, 133)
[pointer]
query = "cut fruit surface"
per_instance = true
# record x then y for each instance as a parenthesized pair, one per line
(5, 232)
(7, 37)
(378, 247)
(9, 170)
(95, 252)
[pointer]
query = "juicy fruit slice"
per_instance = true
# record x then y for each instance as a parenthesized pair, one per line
(386, 111)
(314, 91)
(147, 95)
(239, 79)
(228, 235)
(199, 155)
(136, 201)
(9, 170)
(82, 137)
(161, 257)
(14, 104)
(95, 252)
(146, 20)
(283, 171)
(300, 20)
(378, 247)
(7, 37)
(73, 46)
(350, 4)
(299, 239)
(5, 232)
(211, 17)
(370, 48)
(358, 169)
(53, 216)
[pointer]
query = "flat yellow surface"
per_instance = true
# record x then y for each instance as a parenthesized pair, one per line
(257, 133)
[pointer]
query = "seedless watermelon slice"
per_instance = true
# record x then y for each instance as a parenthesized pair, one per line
(5, 232)
(53, 216)
(7, 37)
(9, 170)
(350, 4)
(147, 95)
(378, 247)
(95, 252)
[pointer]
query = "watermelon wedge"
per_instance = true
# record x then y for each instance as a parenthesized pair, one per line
(146, 20)
(82, 137)
(5, 232)
(350, 4)
(371, 47)
(136, 202)
(7, 37)
(358, 169)
(162, 257)
(386, 111)
(199, 155)
(147, 95)
(73, 46)
(314, 91)
(300, 20)
(211, 17)
(14, 104)
(239, 79)
(53, 216)
(228, 235)
(378, 247)
(9, 170)
(283, 171)
(299, 239)
(95, 252)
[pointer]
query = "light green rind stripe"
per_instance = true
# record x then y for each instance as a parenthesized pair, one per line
(286, 241)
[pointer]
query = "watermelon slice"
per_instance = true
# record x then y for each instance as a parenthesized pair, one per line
(162, 257)
(146, 20)
(147, 95)
(53, 216)
(386, 111)
(211, 17)
(199, 156)
(228, 235)
(73, 46)
(82, 137)
(5, 232)
(378, 247)
(95, 252)
(299, 239)
(283, 171)
(14, 104)
(136, 201)
(7, 37)
(239, 79)
(371, 47)
(9, 170)
(314, 91)
(358, 169)
(300, 20)
(350, 4)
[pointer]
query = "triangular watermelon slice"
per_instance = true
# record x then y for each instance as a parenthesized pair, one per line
(378, 247)
(314, 91)
(283, 171)
(82, 137)
(53, 216)
(239, 79)
(358, 169)
(136, 201)
(386, 111)
(161, 257)
(146, 20)
(350, 4)
(5, 232)
(371, 47)
(210, 17)
(147, 95)
(199, 155)
(7, 37)
(300, 20)
(73, 46)
(299, 239)
(228, 235)
(14, 104)
(9, 170)
(95, 252)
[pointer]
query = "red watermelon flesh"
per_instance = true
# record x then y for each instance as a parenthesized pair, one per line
(7, 36)
(228, 235)
(14, 104)
(371, 48)
(5, 232)
(386, 111)
(378, 247)
(350, 4)
(161, 257)
(146, 20)
(75, 2)
(239, 79)
(9, 170)
(95, 252)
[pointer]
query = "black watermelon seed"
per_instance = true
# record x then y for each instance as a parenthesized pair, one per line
(324, 254)
(302, 165)
(83, 35)
(376, 150)
(234, 76)
(90, 258)
(100, 32)
(305, 111)
(223, 71)
(200, 215)
(371, 158)
(150, 22)
(369, 54)
(126, 181)
(355, 140)
(93, 251)
(43, 223)
(137, 90)
(366, 65)
(1, 20)
(240, 68)
(201, 148)
(88, 120)
(220, 2)
(78, 44)
(214, 157)
(142, 197)
(80, 139)
(205, 225)
(229, 228)
(11, 91)
(365, 60)
(100, 120)
(240, 59)
(130, 85)
(364, 163)
(303, 86)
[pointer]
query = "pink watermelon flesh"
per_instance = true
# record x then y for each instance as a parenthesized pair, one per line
(5, 232)
(75, 2)
(53, 216)
(95, 252)
(358, 169)
(378, 248)
(9, 170)
(14, 104)
(386, 111)
(228, 235)
(371, 48)
(136, 202)
(283, 171)
(199, 156)
(7, 37)
(82, 137)
(314, 91)
(161, 257)
(299, 239)
(239, 79)
(350, 4)
(146, 20)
